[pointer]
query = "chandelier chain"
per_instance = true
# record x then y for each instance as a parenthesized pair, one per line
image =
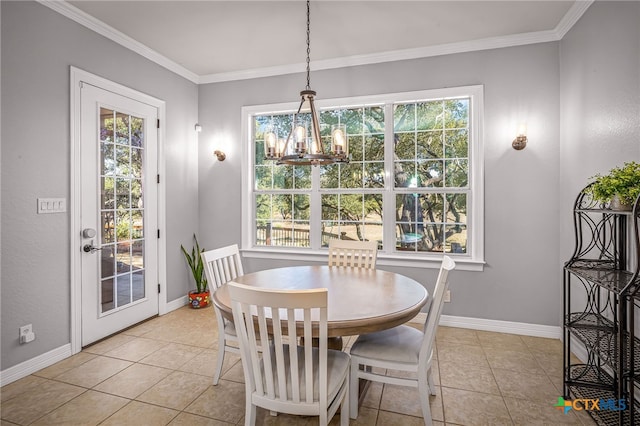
(308, 46)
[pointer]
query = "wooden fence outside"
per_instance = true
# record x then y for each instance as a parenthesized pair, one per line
(292, 237)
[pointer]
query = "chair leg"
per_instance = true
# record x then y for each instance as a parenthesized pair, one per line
(423, 392)
(221, 351)
(249, 414)
(344, 407)
(432, 386)
(323, 418)
(353, 389)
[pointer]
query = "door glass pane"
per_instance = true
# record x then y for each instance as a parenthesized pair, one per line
(107, 196)
(136, 162)
(106, 295)
(137, 255)
(107, 258)
(122, 212)
(108, 225)
(123, 290)
(122, 129)
(136, 224)
(123, 258)
(137, 285)
(136, 193)
(107, 160)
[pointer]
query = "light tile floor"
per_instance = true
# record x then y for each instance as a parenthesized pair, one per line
(160, 372)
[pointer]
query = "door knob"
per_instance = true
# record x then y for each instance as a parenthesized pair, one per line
(90, 248)
(88, 233)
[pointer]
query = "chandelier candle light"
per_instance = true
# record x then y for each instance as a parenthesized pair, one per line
(303, 146)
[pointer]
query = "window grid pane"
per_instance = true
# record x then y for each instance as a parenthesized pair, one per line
(282, 220)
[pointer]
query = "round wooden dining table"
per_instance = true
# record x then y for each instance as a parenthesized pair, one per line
(359, 300)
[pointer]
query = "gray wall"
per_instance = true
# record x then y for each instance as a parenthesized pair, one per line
(38, 46)
(600, 101)
(521, 281)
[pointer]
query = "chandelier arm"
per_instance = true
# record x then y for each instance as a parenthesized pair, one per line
(302, 99)
(315, 125)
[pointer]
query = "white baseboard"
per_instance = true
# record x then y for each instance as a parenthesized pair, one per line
(176, 304)
(32, 365)
(39, 362)
(520, 328)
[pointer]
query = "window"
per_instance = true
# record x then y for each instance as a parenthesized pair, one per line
(414, 182)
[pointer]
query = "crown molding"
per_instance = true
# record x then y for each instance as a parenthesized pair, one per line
(111, 33)
(390, 56)
(255, 73)
(565, 24)
(571, 17)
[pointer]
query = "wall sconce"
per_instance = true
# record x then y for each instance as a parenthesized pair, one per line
(198, 128)
(221, 155)
(521, 139)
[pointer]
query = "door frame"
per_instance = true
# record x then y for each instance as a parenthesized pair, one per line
(77, 78)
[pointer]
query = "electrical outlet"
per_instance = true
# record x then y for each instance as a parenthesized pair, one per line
(447, 296)
(26, 334)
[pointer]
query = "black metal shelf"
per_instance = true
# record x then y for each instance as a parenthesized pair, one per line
(605, 326)
(589, 376)
(590, 320)
(603, 274)
(600, 335)
(589, 382)
(605, 211)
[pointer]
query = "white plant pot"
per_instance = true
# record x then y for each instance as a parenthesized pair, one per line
(616, 204)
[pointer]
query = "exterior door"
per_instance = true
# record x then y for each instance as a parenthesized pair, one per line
(119, 212)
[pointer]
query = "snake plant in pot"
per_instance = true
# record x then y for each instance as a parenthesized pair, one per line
(200, 297)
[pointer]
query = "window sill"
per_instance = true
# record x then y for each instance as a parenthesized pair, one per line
(424, 261)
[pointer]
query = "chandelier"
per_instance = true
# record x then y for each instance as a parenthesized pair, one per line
(303, 146)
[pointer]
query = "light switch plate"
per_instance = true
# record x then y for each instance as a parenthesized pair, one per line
(52, 205)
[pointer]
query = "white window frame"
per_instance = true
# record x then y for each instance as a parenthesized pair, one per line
(473, 260)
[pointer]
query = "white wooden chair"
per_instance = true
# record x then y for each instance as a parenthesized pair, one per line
(360, 254)
(299, 380)
(401, 348)
(221, 266)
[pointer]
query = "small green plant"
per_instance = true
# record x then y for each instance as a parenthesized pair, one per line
(197, 265)
(621, 181)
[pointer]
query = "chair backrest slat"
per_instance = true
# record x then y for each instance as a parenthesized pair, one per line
(277, 311)
(323, 344)
(222, 265)
(308, 359)
(293, 356)
(360, 254)
(435, 309)
(278, 345)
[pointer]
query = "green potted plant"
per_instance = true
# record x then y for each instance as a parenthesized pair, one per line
(200, 297)
(619, 188)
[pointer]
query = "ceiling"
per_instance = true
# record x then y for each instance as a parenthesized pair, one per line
(223, 40)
